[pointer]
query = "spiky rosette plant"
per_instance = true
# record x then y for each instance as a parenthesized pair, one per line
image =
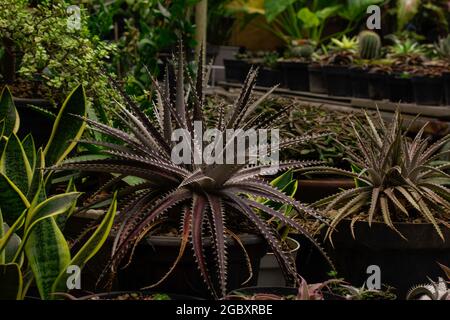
(398, 179)
(203, 197)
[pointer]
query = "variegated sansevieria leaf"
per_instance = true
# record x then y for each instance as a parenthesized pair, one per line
(46, 249)
(90, 248)
(15, 165)
(30, 150)
(47, 252)
(8, 112)
(66, 128)
(12, 201)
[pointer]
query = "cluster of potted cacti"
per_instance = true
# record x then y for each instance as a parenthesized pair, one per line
(361, 67)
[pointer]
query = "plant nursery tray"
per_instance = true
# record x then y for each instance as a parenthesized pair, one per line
(437, 117)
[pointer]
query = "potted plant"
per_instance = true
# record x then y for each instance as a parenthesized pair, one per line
(410, 62)
(237, 69)
(44, 59)
(34, 254)
(295, 65)
(369, 49)
(339, 57)
(443, 51)
(269, 72)
(211, 201)
(398, 210)
(432, 291)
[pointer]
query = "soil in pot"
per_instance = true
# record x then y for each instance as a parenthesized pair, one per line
(317, 80)
(360, 84)
(295, 75)
(338, 80)
(154, 257)
(402, 263)
(400, 89)
(269, 77)
(428, 90)
(236, 70)
(378, 89)
(270, 273)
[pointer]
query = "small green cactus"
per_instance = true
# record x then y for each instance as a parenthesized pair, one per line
(302, 51)
(443, 47)
(369, 45)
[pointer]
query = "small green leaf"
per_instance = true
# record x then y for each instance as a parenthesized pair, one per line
(309, 18)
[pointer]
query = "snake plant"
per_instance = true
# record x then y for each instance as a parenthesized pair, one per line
(32, 246)
(209, 201)
(397, 178)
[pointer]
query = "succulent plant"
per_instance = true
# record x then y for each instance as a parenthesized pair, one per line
(206, 199)
(302, 51)
(433, 291)
(397, 179)
(443, 47)
(369, 45)
(344, 44)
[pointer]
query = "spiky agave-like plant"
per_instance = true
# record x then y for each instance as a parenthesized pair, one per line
(205, 197)
(397, 178)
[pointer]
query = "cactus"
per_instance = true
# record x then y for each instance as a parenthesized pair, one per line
(443, 47)
(303, 51)
(369, 45)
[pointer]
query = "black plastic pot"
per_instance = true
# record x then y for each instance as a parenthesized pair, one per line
(310, 263)
(446, 81)
(378, 89)
(402, 263)
(268, 77)
(360, 84)
(270, 273)
(236, 70)
(317, 80)
(428, 90)
(338, 81)
(154, 257)
(295, 75)
(400, 89)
